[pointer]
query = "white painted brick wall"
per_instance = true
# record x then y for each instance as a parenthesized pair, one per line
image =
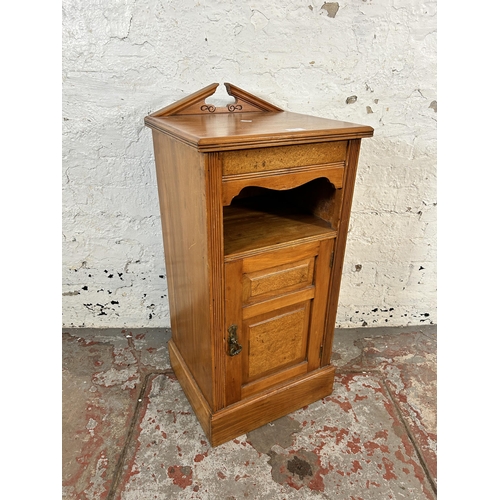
(122, 60)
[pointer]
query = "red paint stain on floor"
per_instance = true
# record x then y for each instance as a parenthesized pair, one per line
(356, 466)
(371, 446)
(360, 398)
(341, 434)
(200, 456)
(354, 445)
(316, 483)
(181, 475)
(389, 469)
(345, 405)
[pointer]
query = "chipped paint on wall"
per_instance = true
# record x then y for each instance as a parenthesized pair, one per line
(365, 62)
(331, 8)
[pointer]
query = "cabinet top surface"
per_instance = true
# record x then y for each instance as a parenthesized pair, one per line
(225, 131)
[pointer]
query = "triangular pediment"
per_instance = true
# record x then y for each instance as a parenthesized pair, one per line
(195, 104)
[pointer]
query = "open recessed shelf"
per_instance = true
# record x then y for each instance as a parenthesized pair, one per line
(259, 219)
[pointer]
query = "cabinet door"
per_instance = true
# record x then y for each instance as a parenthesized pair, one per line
(275, 316)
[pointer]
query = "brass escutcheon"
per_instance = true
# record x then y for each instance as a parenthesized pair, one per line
(234, 347)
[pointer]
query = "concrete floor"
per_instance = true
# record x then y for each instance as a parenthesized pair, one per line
(130, 434)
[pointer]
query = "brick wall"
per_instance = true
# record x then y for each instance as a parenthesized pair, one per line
(365, 61)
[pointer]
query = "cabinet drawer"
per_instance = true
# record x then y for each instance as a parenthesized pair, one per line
(282, 157)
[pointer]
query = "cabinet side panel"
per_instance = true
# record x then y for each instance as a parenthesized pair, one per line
(181, 180)
(338, 259)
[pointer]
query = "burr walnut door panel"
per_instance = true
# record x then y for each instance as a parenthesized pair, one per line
(275, 316)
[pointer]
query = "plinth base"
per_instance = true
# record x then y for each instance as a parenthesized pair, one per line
(250, 413)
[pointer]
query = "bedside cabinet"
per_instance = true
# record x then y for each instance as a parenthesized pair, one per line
(255, 205)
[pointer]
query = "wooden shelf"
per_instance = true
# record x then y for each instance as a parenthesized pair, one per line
(251, 228)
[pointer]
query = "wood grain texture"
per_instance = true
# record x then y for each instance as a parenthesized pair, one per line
(319, 198)
(248, 231)
(253, 412)
(322, 277)
(242, 96)
(233, 305)
(278, 302)
(276, 340)
(284, 278)
(234, 131)
(282, 329)
(186, 247)
(255, 205)
(338, 260)
(187, 102)
(194, 104)
(281, 179)
(191, 389)
(216, 276)
(284, 256)
(279, 378)
(282, 157)
(256, 411)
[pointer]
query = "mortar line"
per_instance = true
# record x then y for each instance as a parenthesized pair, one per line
(412, 438)
(130, 432)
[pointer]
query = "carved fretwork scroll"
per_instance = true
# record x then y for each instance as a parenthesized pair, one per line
(195, 104)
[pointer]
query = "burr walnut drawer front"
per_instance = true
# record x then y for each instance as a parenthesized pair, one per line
(250, 161)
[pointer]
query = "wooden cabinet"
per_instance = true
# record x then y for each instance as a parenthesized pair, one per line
(255, 206)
